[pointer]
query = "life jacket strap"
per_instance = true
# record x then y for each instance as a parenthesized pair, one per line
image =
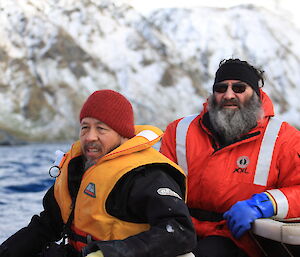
(203, 215)
(79, 238)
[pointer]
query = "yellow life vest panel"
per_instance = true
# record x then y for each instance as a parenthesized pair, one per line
(90, 215)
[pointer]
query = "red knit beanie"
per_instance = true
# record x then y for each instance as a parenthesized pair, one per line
(111, 108)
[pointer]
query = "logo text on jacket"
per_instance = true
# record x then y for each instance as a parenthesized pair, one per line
(242, 163)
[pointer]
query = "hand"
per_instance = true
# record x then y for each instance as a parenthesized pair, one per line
(96, 254)
(240, 217)
(242, 214)
(4, 251)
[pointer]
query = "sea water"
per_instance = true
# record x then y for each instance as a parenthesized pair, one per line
(24, 179)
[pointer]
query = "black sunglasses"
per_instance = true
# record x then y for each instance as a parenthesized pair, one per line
(236, 87)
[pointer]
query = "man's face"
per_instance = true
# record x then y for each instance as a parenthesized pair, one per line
(233, 114)
(232, 94)
(97, 139)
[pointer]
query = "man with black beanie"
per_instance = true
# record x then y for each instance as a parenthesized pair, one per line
(242, 163)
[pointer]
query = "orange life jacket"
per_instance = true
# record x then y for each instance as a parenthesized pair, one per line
(90, 216)
(218, 178)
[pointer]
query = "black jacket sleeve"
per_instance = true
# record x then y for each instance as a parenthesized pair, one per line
(42, 229)
(150, 196)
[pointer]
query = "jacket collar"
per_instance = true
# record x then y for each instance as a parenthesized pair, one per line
(145, 137)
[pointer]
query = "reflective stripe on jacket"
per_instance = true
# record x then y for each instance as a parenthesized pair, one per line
(218, 177)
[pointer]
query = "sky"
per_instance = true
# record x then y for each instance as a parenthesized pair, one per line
(290, 6)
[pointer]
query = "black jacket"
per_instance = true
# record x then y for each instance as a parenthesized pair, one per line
(135, 199)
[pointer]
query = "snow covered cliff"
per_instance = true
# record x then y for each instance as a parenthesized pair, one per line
(54, 53)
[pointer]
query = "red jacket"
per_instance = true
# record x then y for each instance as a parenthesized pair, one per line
(216, 179)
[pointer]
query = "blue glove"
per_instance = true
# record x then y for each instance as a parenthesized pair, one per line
(241, 215)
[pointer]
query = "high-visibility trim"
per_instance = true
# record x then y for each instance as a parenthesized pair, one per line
(59, 157)
(266, 152)
(148, 134)
(181, 132)
(272, 201)
(281, 202)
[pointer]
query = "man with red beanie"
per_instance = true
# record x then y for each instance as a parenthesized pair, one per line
(115, 196)
(242, 163)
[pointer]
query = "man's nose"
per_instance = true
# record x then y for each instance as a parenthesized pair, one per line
(92, 135)
(229, 94)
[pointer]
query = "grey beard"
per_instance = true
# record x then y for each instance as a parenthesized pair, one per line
(88, 164)
(231, 124)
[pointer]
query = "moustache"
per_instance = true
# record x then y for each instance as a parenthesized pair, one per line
(234, 101)
(95, 145)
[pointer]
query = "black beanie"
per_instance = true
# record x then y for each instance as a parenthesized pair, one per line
(238, 71)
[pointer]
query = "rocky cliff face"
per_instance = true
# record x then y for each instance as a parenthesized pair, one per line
(54, 53)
